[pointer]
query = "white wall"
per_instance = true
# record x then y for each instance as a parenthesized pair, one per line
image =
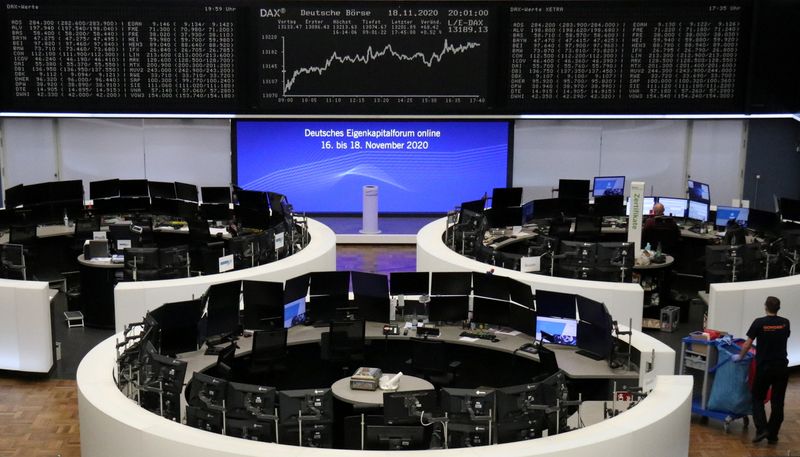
(659, 152)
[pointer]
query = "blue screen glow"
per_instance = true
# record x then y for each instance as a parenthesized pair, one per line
(726, 213)
(419, 167)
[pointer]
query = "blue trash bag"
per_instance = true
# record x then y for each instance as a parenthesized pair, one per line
(730, 391)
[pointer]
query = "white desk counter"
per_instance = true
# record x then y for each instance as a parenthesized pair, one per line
(132, 300)
(111, 424)
(624, 300)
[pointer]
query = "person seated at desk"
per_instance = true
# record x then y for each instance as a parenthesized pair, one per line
(734, 234)
(660, 229)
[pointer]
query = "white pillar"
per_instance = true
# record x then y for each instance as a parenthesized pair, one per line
(369, 212)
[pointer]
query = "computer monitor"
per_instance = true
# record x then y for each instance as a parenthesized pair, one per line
(330, 283)
(160, 189)
(504, 217)
(210, 421)
(294, 312)
(409, 283)
(490, 311)
(467, 404)
(406, 407)
(698, 211)
(252, 199)
(15, 196)
(223, 308)
(647, 206)
(573, 188)
(763, 221)
(595, 341)
(450, 308)
(263, 305)
(577, 253)
(555, 304)
(609, 205)
(572, 207)
(71, 190)
(184, 191)
(169, 371)
(563, 331)
(522, 319)
(451, 283)
(216, 195)
(476, 206)
(371, 296)
(675, 207)
(104, 189)
(521, 293)
(395, 438)
(177, 326)
(591, 311)
(608, 185)
(295, 288)
(789, 209)
(311, 404)
(546, 208)
(207, 392)
(699, 191)
(519, 402)
(727, 213)
(133, 188)
(250, 429)
(490, 286)
(249, 401)
(36, 194)
(527, 213)
(504, 197)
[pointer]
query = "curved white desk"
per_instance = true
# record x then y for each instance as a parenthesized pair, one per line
(733, 306)
(111, 424)
(26, 339)
(624, 300)
(133, 299)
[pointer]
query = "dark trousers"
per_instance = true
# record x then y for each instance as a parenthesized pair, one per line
(768, 376)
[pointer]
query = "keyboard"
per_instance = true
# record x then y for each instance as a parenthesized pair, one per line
(483, 336)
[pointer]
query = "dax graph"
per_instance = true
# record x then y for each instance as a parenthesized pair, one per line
(374, 58)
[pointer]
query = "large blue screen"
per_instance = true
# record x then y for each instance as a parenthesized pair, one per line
(419, 167)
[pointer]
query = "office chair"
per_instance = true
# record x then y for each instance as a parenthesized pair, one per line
(84, 230)
(353, 431)
(587, 228)
(429, 359)
(12, 258)
(269, 350)
(665, 232)
(344, 343)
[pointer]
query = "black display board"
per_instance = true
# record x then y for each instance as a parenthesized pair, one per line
(388, 57)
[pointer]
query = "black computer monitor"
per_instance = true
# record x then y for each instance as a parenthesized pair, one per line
(15, 196)
(697, 211)
(591, 311)
(528, 215)
(161, 189)
(727, 213)
(325, 308)
(252, 199)
(210, 421)
(467, 404)
(133, 188)
(223, 308)
(611, 205)
(557, 330)
(675, 207)
(329, 283)
(490, 286)
(699, 191)
(504, 197)
(476, 206)
(522, 319)
(250, 429)
(555, 304)
(249, 401)
(573, 188)
(406, 407)
(572, 207)
(763, 221)
(177, 325)
(312, 404)
(395, 438)
(207, 392)
(371, 296)
(184, 191)
(169, 371)
(71, 190)
(504, 217)
(595, 339)
(607, 186)
(104, 189)
(36, 194)
(546, 208)
(216, 195)
(490, 311)
(450, 308)
(451, 283)
(789, 209)
(519, 402)
(263, 305)
(409, 283)
(294, 312)
(521, 293)
(295, 288)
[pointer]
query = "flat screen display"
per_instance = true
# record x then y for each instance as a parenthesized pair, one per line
(726, 213)
(564, 331)
(698, 211)
(608, 185)
(647, 206)
(699, 191)
(294, 313)
(675, 207)
(419, 167)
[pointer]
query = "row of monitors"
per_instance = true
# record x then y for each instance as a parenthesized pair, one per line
(250, 412)
(745, 217)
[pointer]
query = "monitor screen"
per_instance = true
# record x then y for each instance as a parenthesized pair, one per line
(698, 211)
(613, 205)
(563, 331)
(104, 189)
(522, 319)
(555, 304)
(15, 196)
(453, 308)
(726, 213)
(675, 207)
(608, 185)
(186, 192)
(216, 195)
(160, 189)
(418, 166)
(591, 311)
(409, 283)
(546, 208)
(790, 209)
(489, 311)
(699, 191)
(763, 221)
(133, 188)
(647, 206)
(596, 339)
(294, 313)
(451, 283)
(503, 197)
(573, 188)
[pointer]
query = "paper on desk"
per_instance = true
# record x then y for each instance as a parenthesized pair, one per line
(408, 325)
(468, 339)
(511, 333)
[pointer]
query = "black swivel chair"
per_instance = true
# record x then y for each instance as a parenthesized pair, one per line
(84, 230)
(663, 231)
(269, 351)
(429, 359)
(587, 228)
(343, 344)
